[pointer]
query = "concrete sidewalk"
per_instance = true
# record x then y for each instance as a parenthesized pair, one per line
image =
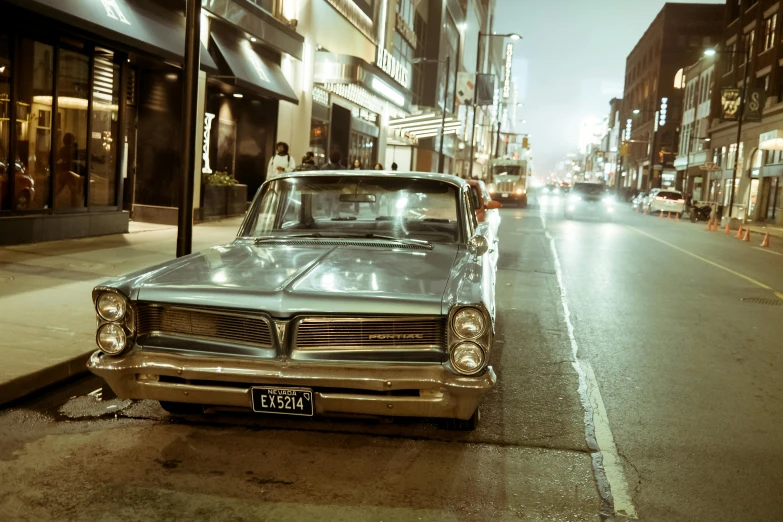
(47, 323)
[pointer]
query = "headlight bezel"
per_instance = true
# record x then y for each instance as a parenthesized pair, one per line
(468, 309)
(101, 313)
(483, 340)
(468, 344)
(127, 322)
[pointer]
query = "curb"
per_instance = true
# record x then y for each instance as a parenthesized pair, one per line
(27, 384)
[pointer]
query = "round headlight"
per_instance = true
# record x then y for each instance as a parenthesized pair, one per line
(467, 358)
(111, 339)
(111, 306)
(469, 323)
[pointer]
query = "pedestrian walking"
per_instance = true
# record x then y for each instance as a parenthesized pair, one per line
(334, 161)
(357, 165)
(308, 162)
(378, 166)
(394, 166)
(281, 163)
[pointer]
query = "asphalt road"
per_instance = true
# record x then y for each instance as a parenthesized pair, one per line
(631, 372)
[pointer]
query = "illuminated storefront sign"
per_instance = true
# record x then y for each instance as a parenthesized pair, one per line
(113, 11)
(507, 72)
(208, 117)
(392, 67)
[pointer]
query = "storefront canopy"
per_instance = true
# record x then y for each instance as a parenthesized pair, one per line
(136, 23)
(251, 70)
(341, 68)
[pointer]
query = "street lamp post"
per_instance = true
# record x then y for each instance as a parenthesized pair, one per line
(713, 52)
(513, 36)
(189, 111)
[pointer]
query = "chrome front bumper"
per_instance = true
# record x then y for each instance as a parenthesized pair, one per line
(363, 389)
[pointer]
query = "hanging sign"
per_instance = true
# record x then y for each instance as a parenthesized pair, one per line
(730, 101)
(754, 106)
(208, 117)
(507, 71)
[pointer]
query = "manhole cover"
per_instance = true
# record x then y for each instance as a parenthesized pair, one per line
(758, 300)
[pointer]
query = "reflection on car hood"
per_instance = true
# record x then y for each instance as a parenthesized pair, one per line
(285, 280)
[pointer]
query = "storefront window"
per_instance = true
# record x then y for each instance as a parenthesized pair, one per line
(105, 129)
(319, 134)
(34, 118)
(363, 149)
(73, 77)
(5, 98)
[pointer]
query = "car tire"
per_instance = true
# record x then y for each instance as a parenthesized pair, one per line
(181, 408)
(463, 425)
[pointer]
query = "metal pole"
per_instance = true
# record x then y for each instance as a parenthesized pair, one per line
(739, 129)
(443, 117)
(688, 148)
(652, 155)
(189, 111)
(497, 142)
(475, 92)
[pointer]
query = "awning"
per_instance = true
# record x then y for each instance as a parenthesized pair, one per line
(251, 70)
(336, 69)
(139, 24)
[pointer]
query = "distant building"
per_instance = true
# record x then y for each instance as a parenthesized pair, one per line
(695, 157)
(653, 87)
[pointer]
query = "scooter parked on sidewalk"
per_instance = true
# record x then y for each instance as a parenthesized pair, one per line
(698, 213)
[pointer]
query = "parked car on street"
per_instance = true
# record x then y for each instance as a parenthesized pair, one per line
(589, 200)
(648, 198)
(667, 201)
(345, 292)
(638, 200)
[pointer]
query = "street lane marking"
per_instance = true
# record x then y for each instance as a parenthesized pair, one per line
(768, 251)
(713, 263)
(607, 463)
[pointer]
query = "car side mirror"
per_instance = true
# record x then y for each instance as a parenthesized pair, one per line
(493, 205)
(478, 245)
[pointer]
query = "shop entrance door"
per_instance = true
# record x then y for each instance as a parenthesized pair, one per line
(766, 185)
(340, 131)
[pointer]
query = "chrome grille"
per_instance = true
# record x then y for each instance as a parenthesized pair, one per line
(234, 327)
(370, 332)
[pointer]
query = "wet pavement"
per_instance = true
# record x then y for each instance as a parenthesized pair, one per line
(664, 397)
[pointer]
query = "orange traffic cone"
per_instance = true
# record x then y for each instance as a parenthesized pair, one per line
(709, 225)
(715, 224)
(644, 211)
(727, 230)
(746, 237)
(668, 215)
(676, 216)
(765, 243)
(660, 214)
(739, 233)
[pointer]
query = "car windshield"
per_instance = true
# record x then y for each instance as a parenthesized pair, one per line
(591, 189)
(351, 206)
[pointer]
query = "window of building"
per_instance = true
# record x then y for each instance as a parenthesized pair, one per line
(6, 162)
(34, 118)
(770, 24)
(731, 55)
(104, 138)
(732, 154)
(73, 78)
(403, 52)
(748, 39)
(362, 148)
(763, 82)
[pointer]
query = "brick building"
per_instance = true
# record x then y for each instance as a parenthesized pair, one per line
(654, 91)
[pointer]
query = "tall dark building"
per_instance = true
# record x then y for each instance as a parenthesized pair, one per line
(654, 90)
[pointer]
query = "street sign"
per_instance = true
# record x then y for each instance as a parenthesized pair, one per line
(754, 107)
(730, 101)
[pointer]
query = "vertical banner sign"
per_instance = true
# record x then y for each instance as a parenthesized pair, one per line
(507, 71)
(729, 101)
(663, 111)
(485, 89)
(466, 84)
(754, 105)
(628, 128)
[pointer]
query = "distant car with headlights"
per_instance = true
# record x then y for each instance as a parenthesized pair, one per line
(589, 200)
(344, 293)
(667, 201)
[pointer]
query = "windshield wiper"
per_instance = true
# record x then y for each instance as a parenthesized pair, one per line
(261, 239)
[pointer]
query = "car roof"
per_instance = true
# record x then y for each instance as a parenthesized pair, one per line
(434, 176)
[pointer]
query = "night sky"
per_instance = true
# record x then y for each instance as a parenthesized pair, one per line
(570, 63)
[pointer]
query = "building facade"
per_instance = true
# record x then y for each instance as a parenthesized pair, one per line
(754, 166)
(653, 93)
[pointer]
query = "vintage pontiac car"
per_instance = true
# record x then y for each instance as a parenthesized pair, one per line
(344, 293)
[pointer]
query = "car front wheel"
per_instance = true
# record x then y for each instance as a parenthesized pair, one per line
(463, 425)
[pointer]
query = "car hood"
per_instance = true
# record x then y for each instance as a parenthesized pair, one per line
(288, 279)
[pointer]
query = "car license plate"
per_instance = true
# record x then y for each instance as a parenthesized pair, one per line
(505, 195)
(283, 401)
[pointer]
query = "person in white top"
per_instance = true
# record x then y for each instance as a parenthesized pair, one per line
(281, 162)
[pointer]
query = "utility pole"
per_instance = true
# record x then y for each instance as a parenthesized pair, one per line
(739, 128)
(443, 117)
(189, 111)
